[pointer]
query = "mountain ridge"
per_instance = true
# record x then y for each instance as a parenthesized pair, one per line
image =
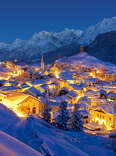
(52, 44)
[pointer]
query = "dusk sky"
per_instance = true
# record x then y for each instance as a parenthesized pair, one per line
(22, 18)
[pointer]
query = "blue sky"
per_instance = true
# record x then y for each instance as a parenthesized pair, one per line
(22, 18)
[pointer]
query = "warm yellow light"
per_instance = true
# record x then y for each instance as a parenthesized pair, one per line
(102, 122)
(56, 73)
(20, 114)
(91, 74)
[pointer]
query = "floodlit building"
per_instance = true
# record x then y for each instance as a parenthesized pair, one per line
(104, 115)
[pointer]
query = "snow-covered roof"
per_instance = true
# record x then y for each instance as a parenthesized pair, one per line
(66, 75)
(44, 86)
(34, 91)
(64, 88)
(8, 88)
(13, 82)
(111, 95)
(72, 94)
(24, 85)
(76, 86)
(103, 92)
(36, 82)
(108, 108)
(84, 112)
(84, 100)
(2, 81)
(91, 93)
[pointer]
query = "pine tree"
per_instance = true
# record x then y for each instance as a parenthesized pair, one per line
(77, 123)
(63, 117)
(46, 113)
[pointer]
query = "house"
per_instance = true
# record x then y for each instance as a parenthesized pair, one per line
(111, 96)
(22, 104)
(104, 115)
(92, 94)
(23, 87)
(85, 115)
(30, 105)
(67, 76)
(35, 83)
(8, 89)
(34, 92)
(77, 88)
(84, 102)
(73, 97)
(98, 101)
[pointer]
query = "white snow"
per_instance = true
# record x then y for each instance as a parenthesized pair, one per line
(47, 41)
(45, 139)
(10, 146)
(90, 61)
(44, 41)
(106, 25)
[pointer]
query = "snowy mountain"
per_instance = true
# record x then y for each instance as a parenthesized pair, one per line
(106, 25)
(44, 41)
(104, 47)
(40, 43)
(53, 44)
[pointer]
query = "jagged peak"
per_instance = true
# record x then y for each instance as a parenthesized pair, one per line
(106, 25)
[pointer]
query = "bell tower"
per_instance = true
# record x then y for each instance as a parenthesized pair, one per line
(42, 63)
(81, 49)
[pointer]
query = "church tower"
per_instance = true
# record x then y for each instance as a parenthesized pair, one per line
(42, 63)
(81, 49)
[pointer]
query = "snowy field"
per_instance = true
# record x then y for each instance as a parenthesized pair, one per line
(46, 139)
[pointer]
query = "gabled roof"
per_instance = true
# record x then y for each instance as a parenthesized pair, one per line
(106, 108)
(33, 91)
(36, 82)
(8, 88)
(92, 93)
(72, 94)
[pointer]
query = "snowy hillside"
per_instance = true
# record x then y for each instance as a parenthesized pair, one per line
(90, 61)
(46, 139)
(10, 146)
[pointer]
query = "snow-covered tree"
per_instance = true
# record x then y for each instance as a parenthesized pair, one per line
(63, 117)
(77, 123)
(46, 113)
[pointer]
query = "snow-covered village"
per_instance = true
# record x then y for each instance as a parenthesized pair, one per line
(57, 78)
(80, 83)
(75, 93)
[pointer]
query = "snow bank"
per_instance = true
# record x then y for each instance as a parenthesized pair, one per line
(10, 146)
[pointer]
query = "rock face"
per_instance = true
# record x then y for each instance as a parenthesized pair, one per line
(104, 47)
(63, 43)
(68, 50)
(90, 34)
